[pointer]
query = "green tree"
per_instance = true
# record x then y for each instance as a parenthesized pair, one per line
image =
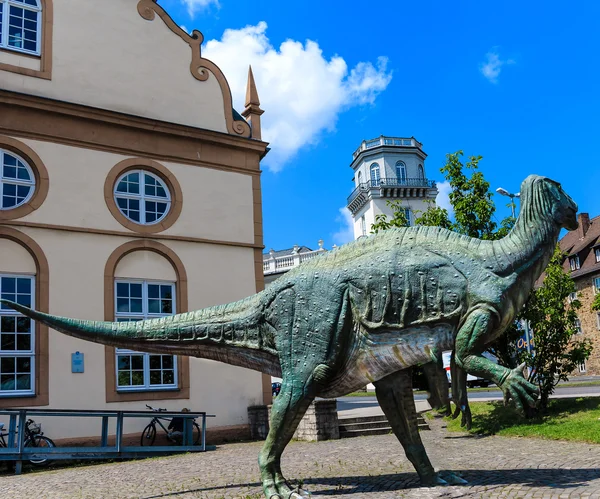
(552, 318)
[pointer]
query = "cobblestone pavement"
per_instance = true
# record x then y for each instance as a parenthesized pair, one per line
(358, 468)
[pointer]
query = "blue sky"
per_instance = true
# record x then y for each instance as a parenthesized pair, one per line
(516, 82)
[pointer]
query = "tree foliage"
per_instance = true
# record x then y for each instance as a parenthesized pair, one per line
(552, 316)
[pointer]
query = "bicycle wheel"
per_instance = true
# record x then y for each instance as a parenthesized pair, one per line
(41, 442)
(196, 433)
(148, 435)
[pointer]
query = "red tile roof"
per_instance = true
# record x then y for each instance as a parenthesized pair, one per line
(582, 242)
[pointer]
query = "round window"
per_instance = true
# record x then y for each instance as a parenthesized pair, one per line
(142, 197)
(17, 182)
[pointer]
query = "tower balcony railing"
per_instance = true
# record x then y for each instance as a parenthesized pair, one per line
(387, 141)
(391, 182)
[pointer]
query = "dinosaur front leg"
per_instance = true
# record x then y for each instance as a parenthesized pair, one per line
(459, 393)
(476, 332)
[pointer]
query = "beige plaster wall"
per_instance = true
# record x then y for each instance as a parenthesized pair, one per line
(136, 66)
(15, 259)
(77, 261)
(217, 204)
(144, 265)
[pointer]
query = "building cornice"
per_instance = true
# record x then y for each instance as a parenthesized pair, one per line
(382, 150)
(62, 122)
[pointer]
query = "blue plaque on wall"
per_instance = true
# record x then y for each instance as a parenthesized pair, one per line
(77, 362)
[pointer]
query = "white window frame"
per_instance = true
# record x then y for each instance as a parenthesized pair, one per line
(142, 197)
(582, 367)
(598, 320)
(401, 172)
(145, 314)
(6, 4)
(375, 174)
(15, 181)
(578, 328)
(359, 179)
(597, 252)
(572, 296)
(596, 285)
(363, 226)
(574, 262)
(21, 353)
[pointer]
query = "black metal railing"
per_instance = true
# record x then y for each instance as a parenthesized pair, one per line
(390, 182)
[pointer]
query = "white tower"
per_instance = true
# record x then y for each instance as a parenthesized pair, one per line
(388, 168)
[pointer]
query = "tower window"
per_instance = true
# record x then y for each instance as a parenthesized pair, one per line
(375, 175)
(401, 172)
(363, 226)
(408, 216)
(421, 172)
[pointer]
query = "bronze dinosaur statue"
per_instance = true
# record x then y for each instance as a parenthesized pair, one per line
(367, 312)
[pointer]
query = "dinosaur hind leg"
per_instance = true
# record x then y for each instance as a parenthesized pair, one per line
(395, 396)
(287, 411)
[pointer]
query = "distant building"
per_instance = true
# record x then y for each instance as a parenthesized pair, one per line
(277, 263)
(388, 169)
(583, 249)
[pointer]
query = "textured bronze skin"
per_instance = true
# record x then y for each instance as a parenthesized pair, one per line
(368, 311)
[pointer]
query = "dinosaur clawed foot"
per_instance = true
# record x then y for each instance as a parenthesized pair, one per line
(452, 478)
(284, 491)
(442, 478)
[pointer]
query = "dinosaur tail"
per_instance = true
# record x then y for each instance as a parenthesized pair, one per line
(234, 333)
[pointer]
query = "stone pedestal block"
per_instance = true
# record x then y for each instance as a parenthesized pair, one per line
(319, 423)
(258, 419)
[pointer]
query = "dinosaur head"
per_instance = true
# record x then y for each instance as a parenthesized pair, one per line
(547, 197)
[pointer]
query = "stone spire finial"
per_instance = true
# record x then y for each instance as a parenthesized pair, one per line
(252, 111)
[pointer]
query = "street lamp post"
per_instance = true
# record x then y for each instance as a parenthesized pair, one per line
(512, 197)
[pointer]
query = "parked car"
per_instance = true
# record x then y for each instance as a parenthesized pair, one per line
(275, 389)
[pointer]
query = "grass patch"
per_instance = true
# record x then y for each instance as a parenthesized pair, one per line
(567, 419)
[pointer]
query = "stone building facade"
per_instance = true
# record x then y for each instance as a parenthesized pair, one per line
(583, 249)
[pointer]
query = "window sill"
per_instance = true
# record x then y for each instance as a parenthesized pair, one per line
(21, 53)
(146, 390)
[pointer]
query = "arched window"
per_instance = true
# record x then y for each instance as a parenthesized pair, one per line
(420, 172)
(375, 176)
(21, 25)
(144, 279)
(17, 181)
(401, 172)
(23, 342)
(363, 226)
(359, 179)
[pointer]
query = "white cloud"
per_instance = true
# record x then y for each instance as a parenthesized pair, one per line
(301, 91)
(195, 6)
(345, 234)
(492, 66)
(443, 199)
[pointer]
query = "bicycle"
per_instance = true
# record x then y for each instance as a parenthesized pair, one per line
(34, 437)
(175, 436)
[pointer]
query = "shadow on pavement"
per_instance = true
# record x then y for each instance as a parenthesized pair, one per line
(533, 478)
(553, 478)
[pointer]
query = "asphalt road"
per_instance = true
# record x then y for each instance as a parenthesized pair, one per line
(355, 403)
